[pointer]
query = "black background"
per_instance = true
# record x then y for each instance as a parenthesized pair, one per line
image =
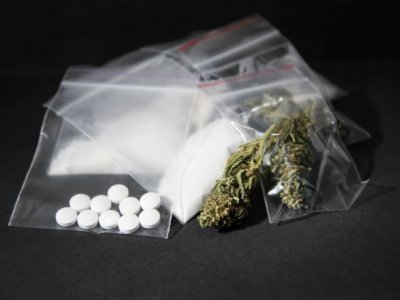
(347, 255)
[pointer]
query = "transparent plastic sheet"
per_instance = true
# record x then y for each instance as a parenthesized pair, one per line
(245, 46)
(43, 194)
(256, 101)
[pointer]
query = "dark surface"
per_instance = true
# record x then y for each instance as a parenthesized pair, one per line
(347, 255)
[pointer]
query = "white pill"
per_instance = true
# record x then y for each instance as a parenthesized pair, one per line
(117, 192)
(129, 206)
(66, 217)
(149, 218)
(80, 202)
(88, 219)
(100, 203)
(128, 223)
(109, 219)
(150, 201)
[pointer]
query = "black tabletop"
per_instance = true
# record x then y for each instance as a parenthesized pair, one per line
(344, 255)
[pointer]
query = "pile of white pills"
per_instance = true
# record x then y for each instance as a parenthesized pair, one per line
(89, 212)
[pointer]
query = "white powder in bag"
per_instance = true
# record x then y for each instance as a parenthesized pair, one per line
(193, 172)
(82, 157)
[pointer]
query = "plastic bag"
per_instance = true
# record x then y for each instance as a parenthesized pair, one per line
(148, 123)
(75, 153)
(177, 143)
(140, 121)
(256, 101)
(201, 161)
(246, 46)
(43, 194)
(75, 144)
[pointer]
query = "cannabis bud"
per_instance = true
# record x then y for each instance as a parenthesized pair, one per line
(229, 200)
(290, 156)
(288, 144)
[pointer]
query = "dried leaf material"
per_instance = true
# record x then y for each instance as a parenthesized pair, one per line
(288, 144)
(229, 200)
(290, 153)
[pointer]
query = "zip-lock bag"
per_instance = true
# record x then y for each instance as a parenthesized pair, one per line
(306, 167)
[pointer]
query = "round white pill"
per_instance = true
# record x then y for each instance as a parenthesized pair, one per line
(66, 217)
(149, 218)
(128, 223)
(129, 206)
(109, 219)
(117, 192)
(88, 219)
(80, 202)
(150, 201)
(100, 203)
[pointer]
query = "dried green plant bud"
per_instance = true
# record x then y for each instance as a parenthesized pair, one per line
(229, 200)
(291, 158)
(288, 144)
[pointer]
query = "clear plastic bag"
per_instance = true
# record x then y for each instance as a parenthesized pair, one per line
(246, 46)
(195, 168)
(153, 126)
(256, 101)
(139, 120)
(43, 193)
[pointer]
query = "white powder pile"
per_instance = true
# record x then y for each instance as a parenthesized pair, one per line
(193, 172)
(82, 157)
(143, 141)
